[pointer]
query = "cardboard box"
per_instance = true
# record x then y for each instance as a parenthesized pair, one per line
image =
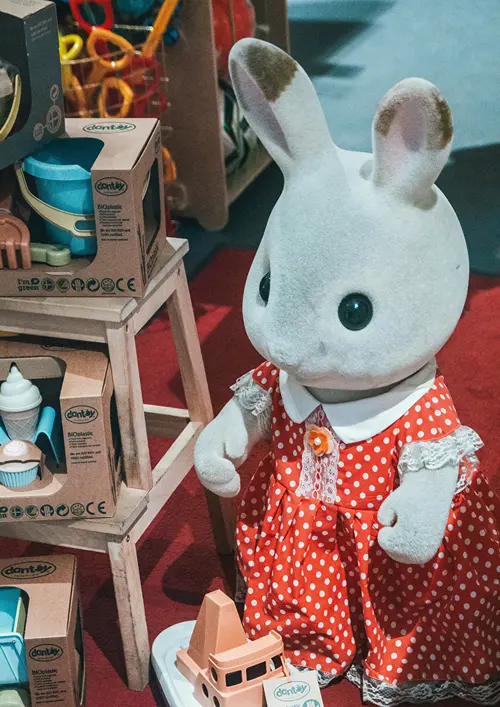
(129, 205)
(79, 386)
(29, 54)
(53, 634)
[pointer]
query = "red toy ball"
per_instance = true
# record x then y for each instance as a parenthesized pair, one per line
(244, 26)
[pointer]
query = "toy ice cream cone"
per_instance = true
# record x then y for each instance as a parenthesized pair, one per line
(20, 402)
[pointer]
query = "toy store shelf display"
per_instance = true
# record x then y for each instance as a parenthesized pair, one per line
(216, 153)
(145, 491)
(170, 61)
(72, 193)
(83, 222)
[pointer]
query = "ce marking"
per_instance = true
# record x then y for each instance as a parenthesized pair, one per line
(100, 508)
(129, 287)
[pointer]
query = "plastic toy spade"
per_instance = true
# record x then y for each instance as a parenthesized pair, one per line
(79, 225)
(15, 96)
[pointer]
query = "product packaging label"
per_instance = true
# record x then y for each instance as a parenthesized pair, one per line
(298, 691)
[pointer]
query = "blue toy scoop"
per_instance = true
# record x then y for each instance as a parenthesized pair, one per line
(13, 668)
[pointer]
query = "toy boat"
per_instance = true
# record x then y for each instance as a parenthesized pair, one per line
(210, 662)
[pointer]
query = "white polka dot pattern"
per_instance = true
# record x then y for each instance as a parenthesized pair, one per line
(316, 575)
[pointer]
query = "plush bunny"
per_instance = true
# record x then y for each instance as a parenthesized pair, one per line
(367, 537)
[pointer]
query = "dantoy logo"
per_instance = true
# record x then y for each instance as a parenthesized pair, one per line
(29, 570)
(46, 652)
(290, 692)
(109, 128)
(81, 414)
(111, 186)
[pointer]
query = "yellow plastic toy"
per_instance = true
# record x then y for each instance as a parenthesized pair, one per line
(13, 96)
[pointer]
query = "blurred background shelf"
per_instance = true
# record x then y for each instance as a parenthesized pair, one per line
(257, 162)
(196, 140)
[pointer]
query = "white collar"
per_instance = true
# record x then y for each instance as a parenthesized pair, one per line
(359, 420)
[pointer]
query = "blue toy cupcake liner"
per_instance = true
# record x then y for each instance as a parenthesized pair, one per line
(18, 479)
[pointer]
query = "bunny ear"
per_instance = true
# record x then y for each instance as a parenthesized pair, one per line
(279, 102)
(412, 134)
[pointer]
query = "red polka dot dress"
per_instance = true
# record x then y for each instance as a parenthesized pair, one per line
(307, 545)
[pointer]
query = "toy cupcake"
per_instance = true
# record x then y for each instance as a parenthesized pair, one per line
(20, 402)
(19, 463)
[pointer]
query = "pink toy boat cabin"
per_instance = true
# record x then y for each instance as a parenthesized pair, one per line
(225, 668)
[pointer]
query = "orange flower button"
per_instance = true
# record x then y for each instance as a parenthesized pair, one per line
(320, 439)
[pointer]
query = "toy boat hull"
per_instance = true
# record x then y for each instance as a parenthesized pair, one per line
(177, 690)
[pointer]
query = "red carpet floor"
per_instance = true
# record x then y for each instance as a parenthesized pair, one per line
(177, 557)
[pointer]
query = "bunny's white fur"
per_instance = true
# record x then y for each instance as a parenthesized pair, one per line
(349, 222)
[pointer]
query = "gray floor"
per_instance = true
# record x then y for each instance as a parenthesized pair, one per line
(355, 50)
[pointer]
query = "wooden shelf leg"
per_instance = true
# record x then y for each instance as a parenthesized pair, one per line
(221, 514)
(194, 379)
(187, 346)
(125, 369)
(131, 613)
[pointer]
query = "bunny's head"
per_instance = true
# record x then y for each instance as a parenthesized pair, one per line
(362, 272)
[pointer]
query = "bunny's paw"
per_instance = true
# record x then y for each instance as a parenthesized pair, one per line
(219, 451)
(217, 474)
(412, 532)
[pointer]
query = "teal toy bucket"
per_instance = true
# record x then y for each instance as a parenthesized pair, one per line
(61, 172)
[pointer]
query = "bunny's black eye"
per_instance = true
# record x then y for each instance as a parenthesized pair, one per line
(265, 287)
(355, 311)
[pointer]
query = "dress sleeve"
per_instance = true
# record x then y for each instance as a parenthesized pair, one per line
(456, 449)
(431, 437)
(254, 392)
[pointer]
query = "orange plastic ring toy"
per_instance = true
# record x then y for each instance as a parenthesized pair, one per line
(104, 35)
(127, 94)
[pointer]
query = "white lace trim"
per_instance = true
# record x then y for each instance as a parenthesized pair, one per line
(384, 694)
(354, 674)
(318, 476)
(388, 695)
(255, 399)
(458, 448)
